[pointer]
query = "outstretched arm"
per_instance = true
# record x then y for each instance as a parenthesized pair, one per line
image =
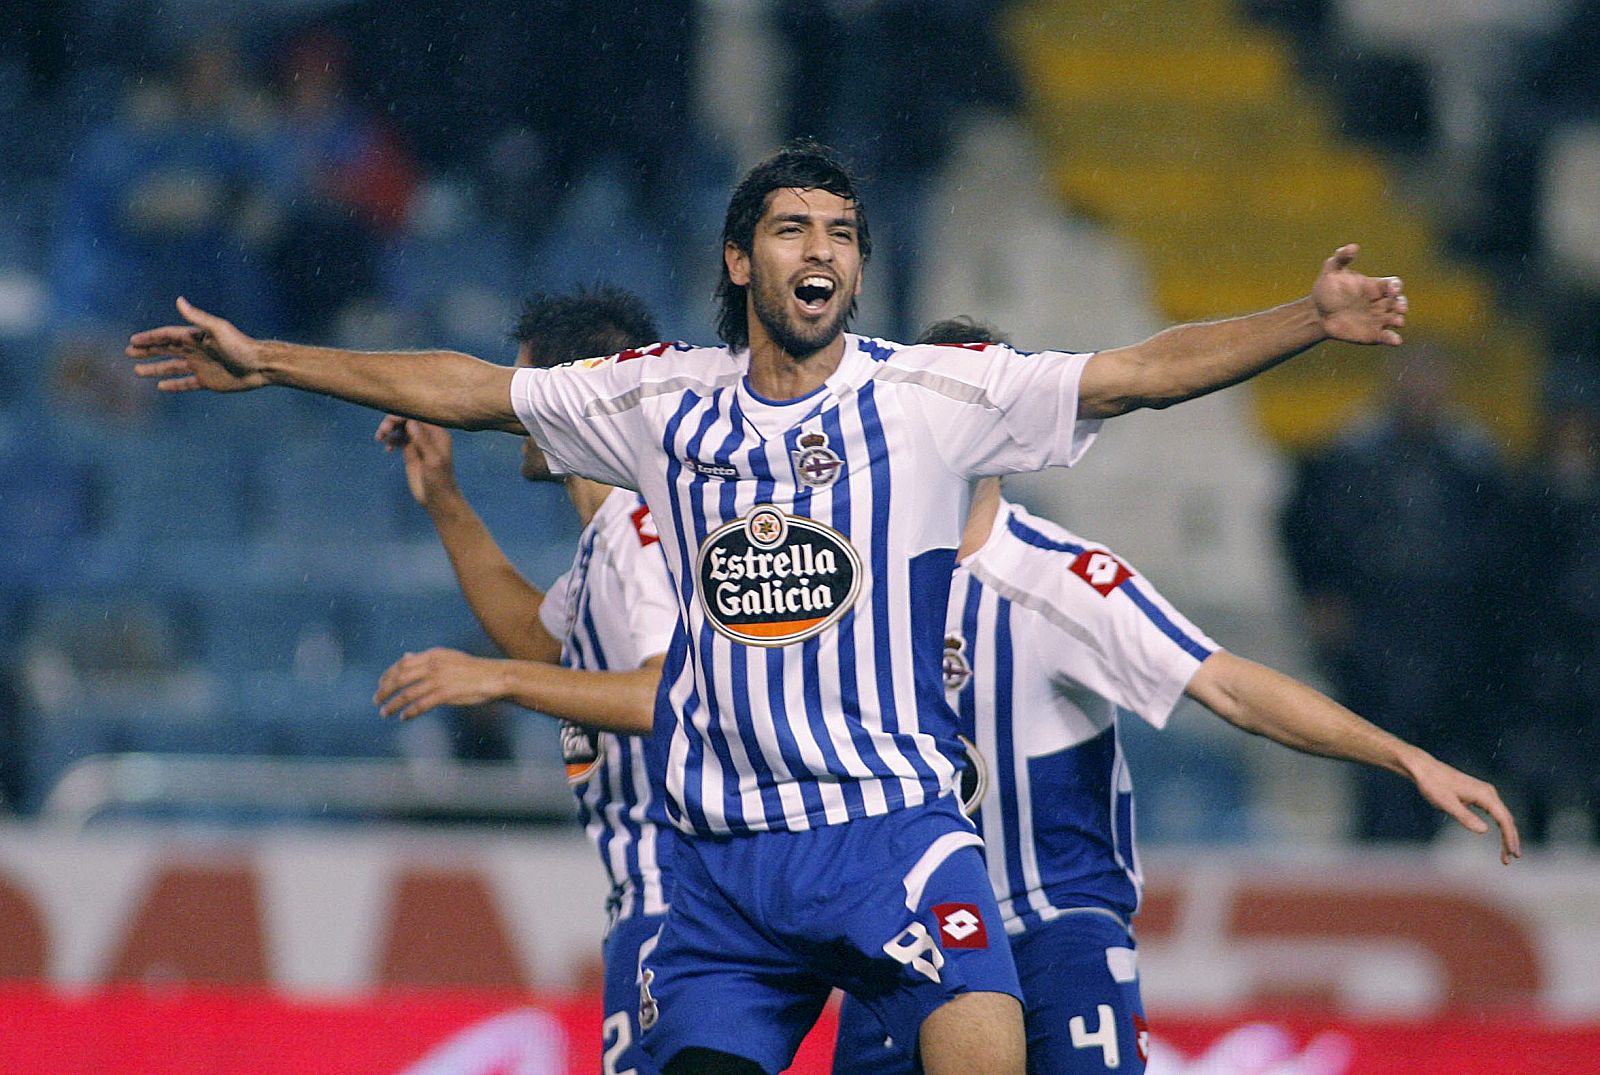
(445, 387)
(1265, 702)
(1187, 361)
(503, 600)
(621, 702)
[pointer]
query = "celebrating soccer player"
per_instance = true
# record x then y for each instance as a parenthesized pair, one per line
(810, 487)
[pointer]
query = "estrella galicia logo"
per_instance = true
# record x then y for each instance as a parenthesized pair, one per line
(770, 579)
(580, 749)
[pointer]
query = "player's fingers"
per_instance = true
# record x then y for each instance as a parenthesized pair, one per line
(391, 432)
(179, 384)
(1343, 256)
(1456, 806)
(398, 701)
(425, 703)
(393, 678)
(1390, 337)
(157, 340)
(165, 367)
(193, 314)
(1510, 839)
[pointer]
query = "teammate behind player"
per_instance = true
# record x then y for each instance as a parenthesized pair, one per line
(1046, 636)
(808, 749)
(608, 621)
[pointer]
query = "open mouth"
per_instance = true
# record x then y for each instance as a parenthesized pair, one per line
(813, 292)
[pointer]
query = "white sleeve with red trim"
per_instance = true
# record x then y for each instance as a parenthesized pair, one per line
(1117, 636)
(553, 611)
(586, 416)
(992, 410)
(650, 598)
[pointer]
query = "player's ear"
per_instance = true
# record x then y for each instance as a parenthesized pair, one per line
(738, 263)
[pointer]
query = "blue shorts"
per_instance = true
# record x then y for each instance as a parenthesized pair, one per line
(895, 909)
(1082, 1008)
(627, 942)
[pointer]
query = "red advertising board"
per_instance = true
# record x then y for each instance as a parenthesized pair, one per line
(250, 1032)
(189, 1031)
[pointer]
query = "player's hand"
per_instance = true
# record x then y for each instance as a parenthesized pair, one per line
(208, 352)
(1357, 308)
(1456, 793)
(422, 681)
(428, 454)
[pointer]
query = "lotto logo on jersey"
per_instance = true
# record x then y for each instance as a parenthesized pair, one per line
(770, 579)
(644, 524)
(960, 926)
(1101, 570)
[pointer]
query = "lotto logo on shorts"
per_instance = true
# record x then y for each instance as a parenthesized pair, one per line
(960, 926)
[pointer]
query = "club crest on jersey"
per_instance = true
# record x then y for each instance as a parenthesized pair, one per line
(815, 464)
(770, 579)
(956, 669)
(580, 750)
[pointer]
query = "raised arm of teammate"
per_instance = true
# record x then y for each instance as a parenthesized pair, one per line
(621, 702)
(503, 600)
(445, 387)
(507, 605)
(1268, 703)
(1191, 360)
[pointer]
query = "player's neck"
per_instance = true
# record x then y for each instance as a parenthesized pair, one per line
(775, 374)
(980, 517)
(587, 496)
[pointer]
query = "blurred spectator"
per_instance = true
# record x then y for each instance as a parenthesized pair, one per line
(1397, 536)
(1553, 745)
(1554, 82)
(535, 99)
(166, 198)
(13, 743)
(343, 181)
(39, 37)
(884, 81)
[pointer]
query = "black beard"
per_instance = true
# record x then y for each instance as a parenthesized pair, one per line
(797, 342)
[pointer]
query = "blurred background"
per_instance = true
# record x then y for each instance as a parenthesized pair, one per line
(198, 593)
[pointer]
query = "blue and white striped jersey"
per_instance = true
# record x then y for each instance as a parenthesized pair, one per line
(612, 611)
(811, 542)
(1047, 636)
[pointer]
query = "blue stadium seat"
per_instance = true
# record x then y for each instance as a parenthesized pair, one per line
(330, 716)
(257, 630)
(1189, 787)
(321, 492)
(48, 514)
(173, 488)
(383, 626)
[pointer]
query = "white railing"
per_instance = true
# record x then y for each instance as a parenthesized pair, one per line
(306, 789)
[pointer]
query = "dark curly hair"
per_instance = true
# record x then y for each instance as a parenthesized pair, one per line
(962, 329)
(586, 323)
(803, 164)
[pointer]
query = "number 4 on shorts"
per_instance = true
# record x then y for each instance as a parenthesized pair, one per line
(1104, 1037)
